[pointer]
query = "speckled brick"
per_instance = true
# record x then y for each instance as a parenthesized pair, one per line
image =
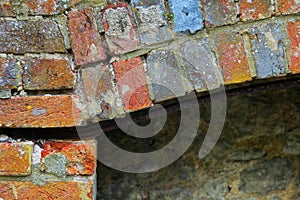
(219, 13)
(255, 9)
(233, 58)
(6, 9)
(15, 158)
(269, 50)
(288, 7)
(56, 190)
(294, 35)
(119, 29)
(187, 16)
(153, 27)
(164, 75)
(10, 73)
(86, 42)
(47, 74)
(80, 156)
(132, 84)
(39, 111)
(30, 36)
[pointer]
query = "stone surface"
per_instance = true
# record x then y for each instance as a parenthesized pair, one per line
(10, 73)
(86, 42)
(132, 85)
(6, 9)
(288, 7)
(30, 36)
(292, 143)
(219, 12)
(241, 155)
(47, 74)
(264, 177)
(255, 9)
(39, 111)
(233, 58)
(72, 158)
(56, 190)
(269, 50)
(187, 16)
(294, 35)
(15, 159)
(120, 34)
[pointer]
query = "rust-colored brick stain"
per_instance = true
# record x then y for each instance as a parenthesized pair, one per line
(39, 111)
(255, 9)
(294, 34)
(132, 84)
(15, 159)
(288, 6)
(55, 190)
(82, 156)
(233, 58)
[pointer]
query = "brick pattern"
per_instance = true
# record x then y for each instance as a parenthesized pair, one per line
(255, 9)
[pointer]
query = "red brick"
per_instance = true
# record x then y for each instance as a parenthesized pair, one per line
(39, 111)
(294, 34)
(10, 73)
(119, 29)
(15, 158)
(86, 42)
(47, 74)
(56, 190)
(288, 7)
(233, 58)
(132, 84)
(255, 9)
(81, 155)
(6, 9)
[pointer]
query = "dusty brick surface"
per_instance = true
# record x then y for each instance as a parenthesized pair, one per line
(288, 7)
(6, 9)
(132, 84)
(86, 42)
(81, 156)
(56, 190)
(119, 29)
(233, 58)
(294, 35)
(32, 36)
(15, 159)
(255, 9)
(39, 111)
(218, 13)
(47, 74)
(10, 73)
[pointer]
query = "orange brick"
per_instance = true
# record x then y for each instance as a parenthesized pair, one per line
(132, 84)
(288, 7)
(81, 156)
(47, 74)
(233, 58)
(56, 190)
(15, 159)
(6, 9)
(39, 111)
(255, 9)
(294, 34)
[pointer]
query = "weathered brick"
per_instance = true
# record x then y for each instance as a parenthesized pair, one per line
(55, 190)
(101, 93)
(80, 157)
(153, 27)
(233, 58)
(269, 50)
(187, 16)
(15, 158)
(219, 13)
(86, 42)
(164, 76)
(30, 36)
(10, 73)
(132, 84)
(255, 9)
(47, 74)
(39, 111)
(6, 9)
(294, 35)
(119, 29)
(288, 6)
